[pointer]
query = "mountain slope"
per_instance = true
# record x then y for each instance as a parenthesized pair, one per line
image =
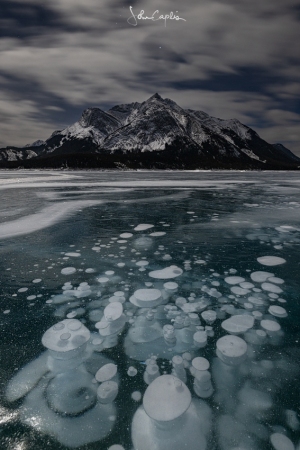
(156, 133)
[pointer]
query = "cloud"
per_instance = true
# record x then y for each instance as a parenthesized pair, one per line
(231, 58)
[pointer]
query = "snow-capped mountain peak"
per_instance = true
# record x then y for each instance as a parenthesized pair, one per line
(173, 135)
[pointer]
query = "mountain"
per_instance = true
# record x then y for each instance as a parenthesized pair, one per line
(154, 134)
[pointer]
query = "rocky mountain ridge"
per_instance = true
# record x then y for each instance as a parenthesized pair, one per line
(154, 134)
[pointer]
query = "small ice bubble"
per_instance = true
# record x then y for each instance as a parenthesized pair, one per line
(109, 273)
(102, 280)
(71, 314)
(132, 371)
(271, 288)
(126, 235)
(107, 391)
(136, 396)
(68, 270)
(65, 336)
(143, 227)
(234, 280)
(106, 372)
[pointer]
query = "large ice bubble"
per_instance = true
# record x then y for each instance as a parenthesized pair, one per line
(170, 418)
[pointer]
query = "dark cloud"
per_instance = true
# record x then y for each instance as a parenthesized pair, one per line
(231, 58)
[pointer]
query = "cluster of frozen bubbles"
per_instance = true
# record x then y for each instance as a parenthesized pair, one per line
(200, 403)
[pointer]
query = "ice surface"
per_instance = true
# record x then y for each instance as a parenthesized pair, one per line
(216, 249)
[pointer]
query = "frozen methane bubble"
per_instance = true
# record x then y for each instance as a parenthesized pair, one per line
(142, 263)
(277, 311)
(111, 323)
(68, 270)
(65, 336)
(238, 324)
(166, 273)
(234, 280)
(113, 311)
(270, 326)
(200, 363)
(151, 373)
(271, 260)
(170, 286)
(255, 400)
(202, 383)
(126, 235)
(107, 391)
(143, 227)
(106, 372)
(116, 447)
(239, 290)
(200, 339)
(276, 280)
(281, 442)
(136, 396)
(132, 371)
(232, 350)
(209, 316)
(158, 233)
(146, 298)
(260, 276)
(271, 288)
(166, 398)
(143, 243)
(71, 392)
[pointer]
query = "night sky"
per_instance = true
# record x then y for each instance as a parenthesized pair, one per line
(230, 58)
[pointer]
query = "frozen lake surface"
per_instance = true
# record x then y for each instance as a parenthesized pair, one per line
(149, 310)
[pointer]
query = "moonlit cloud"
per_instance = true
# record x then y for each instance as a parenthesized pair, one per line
(231, 58)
